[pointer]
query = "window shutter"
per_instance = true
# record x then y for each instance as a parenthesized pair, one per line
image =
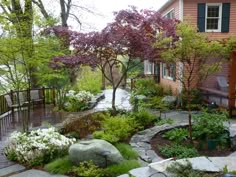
(201, 16)
(225, 17)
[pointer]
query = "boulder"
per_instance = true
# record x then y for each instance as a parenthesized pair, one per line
(169, 100)
(232, 135)
(100, 152)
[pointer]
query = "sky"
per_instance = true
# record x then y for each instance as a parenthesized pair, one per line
(104, 11)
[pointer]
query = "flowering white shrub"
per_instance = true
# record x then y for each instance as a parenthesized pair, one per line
(38, 147)
(77, 101)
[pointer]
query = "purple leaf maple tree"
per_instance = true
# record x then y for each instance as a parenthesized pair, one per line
(132, 34)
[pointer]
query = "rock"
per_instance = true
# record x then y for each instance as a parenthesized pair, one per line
(142, 172)
(200, 164)
(222, 162)
(100, 152)
(169, 100)
(232, 135)
(11, 169)
(36, 173)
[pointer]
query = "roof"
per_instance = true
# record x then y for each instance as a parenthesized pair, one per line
(166, 5)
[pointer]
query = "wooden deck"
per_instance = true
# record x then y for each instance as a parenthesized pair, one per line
(39, 116)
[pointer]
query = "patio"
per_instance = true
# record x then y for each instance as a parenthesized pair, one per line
(39, 117)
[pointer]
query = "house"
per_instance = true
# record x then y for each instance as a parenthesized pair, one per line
(217, 19)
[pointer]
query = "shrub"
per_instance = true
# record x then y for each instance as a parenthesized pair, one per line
(164, 121)
(89, 80)
(157, 103)
(148, 87)
(59, 166)
(87, 169)
(143, 117)
(121, 168)
(209, 125)
(177, 135)
(126, 151)
(77, 101)
(196, 99)
(116, 129)
(178, 151)
(183, 170)
(37, 147)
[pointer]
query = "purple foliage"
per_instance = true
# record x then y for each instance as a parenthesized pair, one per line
(132, 33)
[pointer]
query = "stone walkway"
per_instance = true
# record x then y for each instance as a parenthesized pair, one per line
(121, 102)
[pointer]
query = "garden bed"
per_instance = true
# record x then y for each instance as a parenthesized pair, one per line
(158, 141)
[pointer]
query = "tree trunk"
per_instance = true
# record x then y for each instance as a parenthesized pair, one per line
(189, 116)
(114, 111)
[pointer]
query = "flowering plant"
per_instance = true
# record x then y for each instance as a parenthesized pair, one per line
(38, 147)
(77, 101)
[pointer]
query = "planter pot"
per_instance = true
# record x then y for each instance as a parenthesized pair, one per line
(212, 144)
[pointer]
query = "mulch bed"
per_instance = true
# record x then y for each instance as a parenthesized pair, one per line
(158, 140)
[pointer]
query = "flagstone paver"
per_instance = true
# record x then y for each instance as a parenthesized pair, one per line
(36, 173)
(11, 169)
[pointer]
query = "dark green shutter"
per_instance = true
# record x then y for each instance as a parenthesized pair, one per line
(225, 17)
(201, 16)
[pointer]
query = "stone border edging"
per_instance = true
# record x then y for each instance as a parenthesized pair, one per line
(140, 142)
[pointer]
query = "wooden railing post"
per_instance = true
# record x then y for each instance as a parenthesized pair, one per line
(54, 96)
(12, 108)
(43, 94)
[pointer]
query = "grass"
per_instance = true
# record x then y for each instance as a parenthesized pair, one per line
(126, 151)
(122, 168)
(59, 166)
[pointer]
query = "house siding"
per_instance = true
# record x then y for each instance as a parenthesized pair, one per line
(190, 13)
(174, 5)
(169, 84)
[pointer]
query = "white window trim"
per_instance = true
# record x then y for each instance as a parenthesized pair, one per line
(181, 10)
(172, 9)
(166, 77)
(220, 17)
(146, 63)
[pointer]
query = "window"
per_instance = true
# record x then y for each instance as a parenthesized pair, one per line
(169, 71)
(213, 17)
(148, 67)
(170, 14)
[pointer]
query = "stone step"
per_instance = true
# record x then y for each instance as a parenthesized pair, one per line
(36, 173)
(11, 169)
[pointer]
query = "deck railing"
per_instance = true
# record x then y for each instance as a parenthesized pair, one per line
(48, 95)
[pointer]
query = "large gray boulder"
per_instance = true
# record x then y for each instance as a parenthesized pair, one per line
(100, 152)
(169, 100)
(232, 135)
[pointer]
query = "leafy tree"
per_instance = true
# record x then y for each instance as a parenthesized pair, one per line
(199, 57)
(131, 35)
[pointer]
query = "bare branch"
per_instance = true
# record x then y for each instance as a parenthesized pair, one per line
(40, 5)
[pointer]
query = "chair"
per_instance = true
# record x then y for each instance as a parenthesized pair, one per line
(35, 97)
(22, 102)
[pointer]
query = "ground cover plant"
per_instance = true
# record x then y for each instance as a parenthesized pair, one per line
(37, 147)
(77, 101)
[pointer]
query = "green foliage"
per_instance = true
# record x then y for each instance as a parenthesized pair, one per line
(209, 125)
(121, 168)
(183, 170)
(196, 99)
(59, 166)
(116, 129)
(89, 80)
(126, 151)
(178, 151)
(148, 87)
(87, 169)
(164, 121)
(143, 117)
(177, 135)
(157, 103)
